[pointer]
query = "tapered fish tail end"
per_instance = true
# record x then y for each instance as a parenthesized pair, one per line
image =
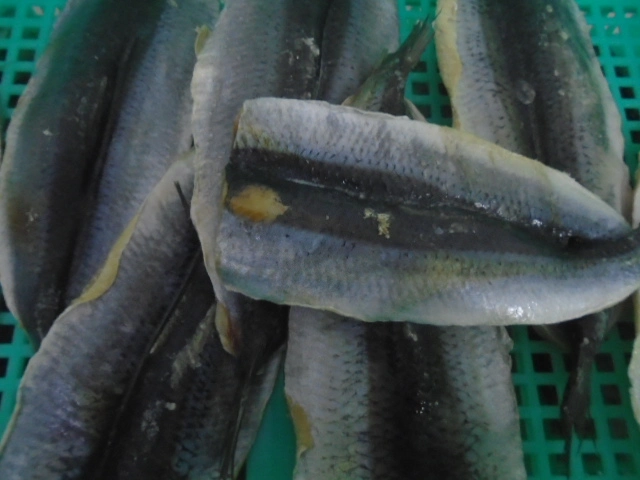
(384, 88)
(415, 44)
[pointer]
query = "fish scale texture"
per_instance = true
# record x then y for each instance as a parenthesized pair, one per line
(346, 398)
(539, 371)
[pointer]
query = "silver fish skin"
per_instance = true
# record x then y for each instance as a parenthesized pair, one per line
(451, 271)
(454, 398)
(177, 424)
(415, 163)
(153, 127)
(337, 379)
(103, 54)
(461, 419)
(357, 36)
(74, 384)
(531, 96)
(543, 96)
(257, 49)
(374, 259)
(342, 403)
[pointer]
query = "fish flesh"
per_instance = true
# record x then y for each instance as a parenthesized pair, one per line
(87, 126)
(524, 75)
(86, 361)
(379, 259)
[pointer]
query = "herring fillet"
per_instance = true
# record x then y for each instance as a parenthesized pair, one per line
(415, 163)
(461, 420)
(543, 96)
(176, 424)
(342, 404)
(374, 259)
(529, 97)
(152, 128)
(88, 90)
(257, 49)
(85, 362)
(454, 270)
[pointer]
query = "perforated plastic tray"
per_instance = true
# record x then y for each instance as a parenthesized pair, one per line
(613, 450)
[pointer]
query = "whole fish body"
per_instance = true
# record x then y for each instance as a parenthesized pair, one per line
(88, 141)
(524, 75)
(345, 251)
(74, 384)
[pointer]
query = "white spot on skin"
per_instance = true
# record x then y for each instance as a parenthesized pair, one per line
(170, 406)
(517, 313)
(47, 133)
(549, 9)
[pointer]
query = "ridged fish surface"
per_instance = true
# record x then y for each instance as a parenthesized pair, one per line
(460, 417)
(74, 384)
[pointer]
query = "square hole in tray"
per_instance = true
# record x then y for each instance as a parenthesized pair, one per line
(635, 136)
(618, 429)
(632, 114)
(21, 78)
(592, 463)
(625, 464)
(622, 72)
(26, 55)
(542, 362)
(558, 464)
(7, 11)
(548, 395)
(30, 33)
(552, 429)
(604, 362)
(6, 334)
(630, 12)
(611, 394)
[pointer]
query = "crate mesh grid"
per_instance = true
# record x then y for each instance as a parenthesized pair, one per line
(539, 371)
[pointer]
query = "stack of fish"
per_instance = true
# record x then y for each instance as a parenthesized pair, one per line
(162, 206)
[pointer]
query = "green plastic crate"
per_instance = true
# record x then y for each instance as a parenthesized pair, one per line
(539, 371)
